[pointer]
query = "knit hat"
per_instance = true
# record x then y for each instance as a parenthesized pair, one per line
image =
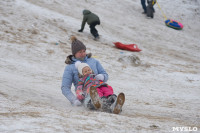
(76, 45)
(80, 66)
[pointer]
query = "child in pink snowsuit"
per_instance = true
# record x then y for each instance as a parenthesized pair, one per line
(88, 79)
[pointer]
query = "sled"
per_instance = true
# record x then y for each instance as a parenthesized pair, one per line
(174, 24)
(129, 47)
(171, 23)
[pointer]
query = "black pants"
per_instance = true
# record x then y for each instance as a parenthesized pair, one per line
(93, 30)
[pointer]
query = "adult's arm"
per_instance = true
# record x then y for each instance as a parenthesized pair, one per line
(67, 83)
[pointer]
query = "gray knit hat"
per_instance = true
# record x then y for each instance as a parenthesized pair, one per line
(76, 45)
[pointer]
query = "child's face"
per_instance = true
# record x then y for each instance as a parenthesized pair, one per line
(86, 70)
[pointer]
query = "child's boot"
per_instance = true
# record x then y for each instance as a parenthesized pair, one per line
(88, 103)
(116, 107)
(112, 98)
(105, 104)
(95, 97)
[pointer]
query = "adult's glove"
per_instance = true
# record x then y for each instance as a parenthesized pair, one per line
(80, 30)
(99, 77)
(77, 103)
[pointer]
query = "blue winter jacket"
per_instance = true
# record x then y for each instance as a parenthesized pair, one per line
(70, 75)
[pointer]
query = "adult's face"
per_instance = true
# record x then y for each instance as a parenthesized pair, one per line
(80, 54)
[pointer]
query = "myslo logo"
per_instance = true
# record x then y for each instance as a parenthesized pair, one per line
(185, 129)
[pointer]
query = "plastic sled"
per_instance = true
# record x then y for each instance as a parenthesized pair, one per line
(129, 47)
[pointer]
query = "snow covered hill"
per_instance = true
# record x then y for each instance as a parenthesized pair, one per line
(161, 83)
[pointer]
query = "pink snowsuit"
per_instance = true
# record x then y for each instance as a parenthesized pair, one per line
(87, 81)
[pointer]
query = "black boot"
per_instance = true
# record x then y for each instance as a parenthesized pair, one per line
(111, 99)
(105, 105)
(90, 105)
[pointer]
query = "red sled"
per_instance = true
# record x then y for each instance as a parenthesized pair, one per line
(130, 47)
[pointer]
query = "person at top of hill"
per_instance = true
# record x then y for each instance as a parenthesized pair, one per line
(143, 2)
(70, 75)
(92, 20)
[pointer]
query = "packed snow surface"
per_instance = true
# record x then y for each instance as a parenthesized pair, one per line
(161, 83)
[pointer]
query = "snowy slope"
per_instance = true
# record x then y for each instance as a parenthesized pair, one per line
(162, 85)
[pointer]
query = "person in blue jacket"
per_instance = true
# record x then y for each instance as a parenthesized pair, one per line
(70, 75)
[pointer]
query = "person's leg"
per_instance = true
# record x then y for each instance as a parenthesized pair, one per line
(105, 104)
(96, 100)
(116, 107)
(88, 103)
(110, 101)
(144, 5)
(112, 98)
(107, 90)
(93, 30)
(152, 3)
(100, 91)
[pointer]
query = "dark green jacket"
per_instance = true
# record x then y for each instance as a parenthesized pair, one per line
(89, 17)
